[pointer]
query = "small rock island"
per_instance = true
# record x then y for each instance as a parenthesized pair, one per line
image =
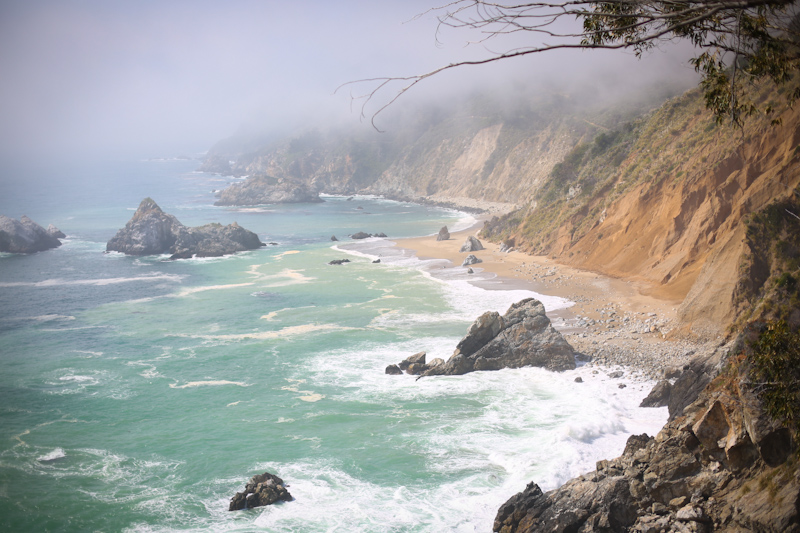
(153, 232)
(24, 236)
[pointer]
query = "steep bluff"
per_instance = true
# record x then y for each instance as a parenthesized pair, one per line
(664, 203)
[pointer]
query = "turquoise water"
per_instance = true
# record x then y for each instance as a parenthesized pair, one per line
(139, 394)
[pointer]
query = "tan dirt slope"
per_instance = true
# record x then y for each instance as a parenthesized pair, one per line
(685, 236)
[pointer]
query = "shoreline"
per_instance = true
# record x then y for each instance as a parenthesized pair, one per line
(612, 321)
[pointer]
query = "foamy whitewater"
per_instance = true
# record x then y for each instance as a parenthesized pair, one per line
(139, 394)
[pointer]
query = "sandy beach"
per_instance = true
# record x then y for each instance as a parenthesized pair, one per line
(613, 321)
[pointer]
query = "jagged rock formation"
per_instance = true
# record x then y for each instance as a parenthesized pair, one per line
(266, 190)
(151, 231)
(721, 464)
(471, 245)
(443, 234)
(24, 236)
(55, 232)
(659, 396)
(263, 489)
(521, 337)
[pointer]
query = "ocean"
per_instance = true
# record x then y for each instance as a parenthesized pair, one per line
(140, 394)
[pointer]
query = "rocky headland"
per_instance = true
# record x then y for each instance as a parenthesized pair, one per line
(152, 232)
(24, 236)
(720, 464)
(266, 190)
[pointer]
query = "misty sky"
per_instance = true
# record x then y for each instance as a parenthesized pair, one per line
(168, 77)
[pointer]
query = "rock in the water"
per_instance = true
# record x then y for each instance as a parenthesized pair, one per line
(333, 238)
(471, 260)
(338, 261)
(376, 261)
(443, 234)
(471, 245)
(393, 370)
(659, 396)
(521, 337)
(364, 235)
(151, 231)
(579, 380)
(55, 232)
(417, 358)
(24, 236)
(263, 489)
(266, 190)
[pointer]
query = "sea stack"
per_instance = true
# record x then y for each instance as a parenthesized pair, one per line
(153, 232)
(24, 236)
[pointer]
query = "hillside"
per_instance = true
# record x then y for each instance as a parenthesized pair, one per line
(485, 148)
(663, 200)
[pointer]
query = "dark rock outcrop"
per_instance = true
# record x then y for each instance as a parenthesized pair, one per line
(338, 261)
(24, 236)
(471, 245)
(263, 489)
(721, 464)
(521, 337)
(266, 190)
(151, 231)
(659, 396)
(443, 234)
(393, 370)
(364, 235)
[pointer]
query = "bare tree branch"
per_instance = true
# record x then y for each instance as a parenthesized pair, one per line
(759, 32)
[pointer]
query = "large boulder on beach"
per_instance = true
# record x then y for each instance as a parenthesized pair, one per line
(521, 337)
(471, 259)
(263, 489)
(24, 236)
(261, 190)
(151, 231)
(471, 245)
(443, 234)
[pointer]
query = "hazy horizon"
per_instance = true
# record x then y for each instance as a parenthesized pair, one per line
(89, 78)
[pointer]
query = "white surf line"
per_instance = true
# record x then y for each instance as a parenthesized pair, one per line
(207, 383)
(58, 282)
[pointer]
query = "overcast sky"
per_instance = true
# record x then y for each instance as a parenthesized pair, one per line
(166, 77)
